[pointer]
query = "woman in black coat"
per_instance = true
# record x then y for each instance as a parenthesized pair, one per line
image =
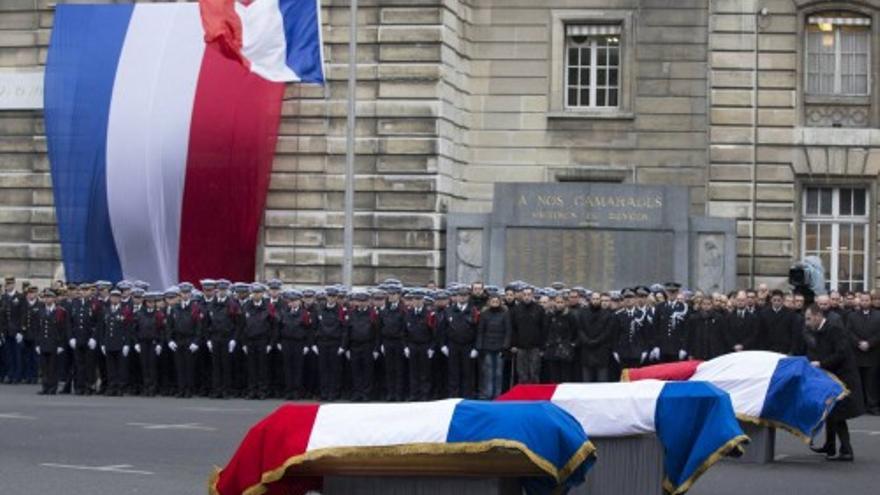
(827, 347)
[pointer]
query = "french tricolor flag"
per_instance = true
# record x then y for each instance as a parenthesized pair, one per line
(160, 142)
(765, 388)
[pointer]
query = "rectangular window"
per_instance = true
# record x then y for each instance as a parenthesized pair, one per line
(838, 55)
(835, 229)
(592, 65)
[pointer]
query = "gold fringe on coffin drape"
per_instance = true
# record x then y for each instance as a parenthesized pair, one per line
(583, 453)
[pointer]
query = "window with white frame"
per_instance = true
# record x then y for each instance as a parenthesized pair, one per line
(835, 228)
(592, 65)
(838, 50)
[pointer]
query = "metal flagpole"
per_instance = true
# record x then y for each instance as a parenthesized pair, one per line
(348, 233)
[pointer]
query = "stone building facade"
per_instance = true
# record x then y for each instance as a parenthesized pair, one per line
(768, 116)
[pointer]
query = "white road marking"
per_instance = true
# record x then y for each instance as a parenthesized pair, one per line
(868, 432)
(117, 468)
(182, 426)
(218, 409)
(15, 415)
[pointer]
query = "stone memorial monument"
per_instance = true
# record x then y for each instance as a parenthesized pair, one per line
(602, 236)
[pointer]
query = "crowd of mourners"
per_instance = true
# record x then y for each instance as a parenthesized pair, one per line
(394, 343)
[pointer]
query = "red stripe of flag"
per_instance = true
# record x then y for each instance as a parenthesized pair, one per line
(529, 392)
(232, 141)
(283, 434)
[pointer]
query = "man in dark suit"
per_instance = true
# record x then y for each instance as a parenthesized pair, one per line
(864, 333)
(779, 330)
(742, 326)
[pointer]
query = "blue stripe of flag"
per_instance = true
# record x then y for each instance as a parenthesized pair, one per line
(80, 71)
(303, 33)
(799, 395)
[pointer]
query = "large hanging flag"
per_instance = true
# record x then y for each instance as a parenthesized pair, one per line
(283, 453)
(161, 136)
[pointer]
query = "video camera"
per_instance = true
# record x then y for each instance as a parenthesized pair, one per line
(807, 277)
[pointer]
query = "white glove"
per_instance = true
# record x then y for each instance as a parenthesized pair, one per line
(268, 349)
(125, 351)
(375, 355)
(315, 349)
(137, 348)
(60, 350)
(104, 350)
(682, 354)
(193, 348)
(305, 350)
(158, 349)
(616, 356)
(430, 353)
(445, 351)
(231, 346)
(19, 338)
(173, 346)
(72, 343)
(406, 352)
(655, 354)
(92, 344)
(340, 351)
(278, 346)
(348, 355)
(244, 349)
(37, 349)
(644, 356)
(210, 346)
(382, 349)
(474, 354)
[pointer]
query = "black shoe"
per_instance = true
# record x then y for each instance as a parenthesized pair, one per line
(828, 450)
(874, 411)
(841, 457)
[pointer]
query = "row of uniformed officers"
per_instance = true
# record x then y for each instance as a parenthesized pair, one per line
(391, 343)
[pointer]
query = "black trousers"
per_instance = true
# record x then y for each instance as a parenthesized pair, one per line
(49, 371)
(84, 368)
(258, 367)
(837, 429)
(185, 365)
(330, 370)
(149, 366)
(362, 366)
(116, 371)
(293, 363)
(419, 373)
(462, 370)
(870, 378)
(395, 371)
(557, 371)
(221, 367)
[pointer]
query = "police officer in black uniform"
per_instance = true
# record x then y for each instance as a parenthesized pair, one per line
(362, 346)
(149, 333)
(630, 324)
(296, 337)
(459, 340)
(184, 334)
(84, 316)
(332, 326)
(419, 342)
(392, 323)
(115, 339)
(225, 323)
(260, 320)
(50, 339)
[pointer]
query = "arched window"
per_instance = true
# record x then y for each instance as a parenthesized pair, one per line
(838, 54)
